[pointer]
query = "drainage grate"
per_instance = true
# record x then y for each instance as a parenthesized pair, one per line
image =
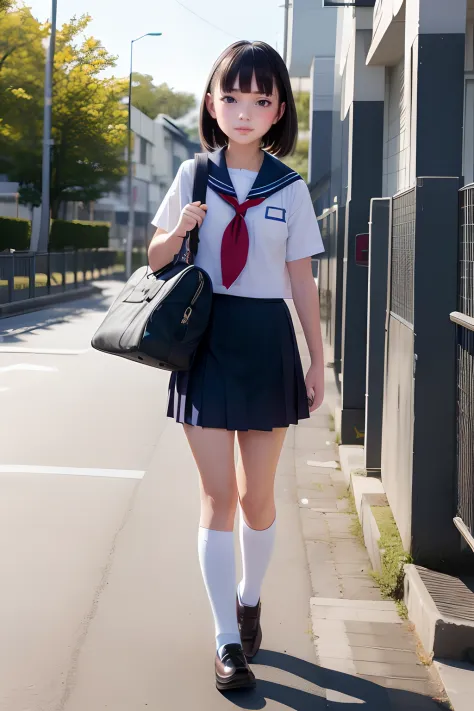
(452, 597)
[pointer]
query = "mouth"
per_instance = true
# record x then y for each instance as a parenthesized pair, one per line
(244, 130)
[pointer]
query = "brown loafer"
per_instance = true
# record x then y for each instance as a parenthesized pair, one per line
(233, 671)
(249, 626)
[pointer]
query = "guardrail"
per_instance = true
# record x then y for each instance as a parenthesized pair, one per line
(26, 275)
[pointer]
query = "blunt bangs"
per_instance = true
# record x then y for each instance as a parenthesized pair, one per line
(237, 65)
(240, 66)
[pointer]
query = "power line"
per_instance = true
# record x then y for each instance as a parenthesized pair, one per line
(206, 21)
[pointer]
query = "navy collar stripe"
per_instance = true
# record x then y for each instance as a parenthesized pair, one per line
(219, 189)
(279, 184)
(222, 183)
(291, 175)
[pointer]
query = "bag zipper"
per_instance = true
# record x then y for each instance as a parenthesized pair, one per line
(189, 310)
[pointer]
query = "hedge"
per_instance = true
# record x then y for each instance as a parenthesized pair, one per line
(14, 233)
(79, 235)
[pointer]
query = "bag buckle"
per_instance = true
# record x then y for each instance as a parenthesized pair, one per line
(187, 315)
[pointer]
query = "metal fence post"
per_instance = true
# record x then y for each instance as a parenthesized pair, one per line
(11, 278)
(64, 270)
(376, 318)
(48, 272)
(32, 275)
(75, 269)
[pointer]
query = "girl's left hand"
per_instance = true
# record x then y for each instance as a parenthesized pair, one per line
(315, 387)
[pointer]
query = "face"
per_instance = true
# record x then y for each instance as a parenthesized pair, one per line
(245, 118)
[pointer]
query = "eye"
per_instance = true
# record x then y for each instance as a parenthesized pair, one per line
(264, 103)
(228, 99)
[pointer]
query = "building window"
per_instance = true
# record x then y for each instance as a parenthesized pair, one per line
(143, 151)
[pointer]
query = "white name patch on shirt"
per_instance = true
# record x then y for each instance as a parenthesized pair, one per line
(275, 213)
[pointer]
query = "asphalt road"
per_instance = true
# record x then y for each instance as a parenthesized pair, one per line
(102, 602)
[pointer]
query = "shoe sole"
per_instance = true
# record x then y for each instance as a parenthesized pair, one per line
(244, 682)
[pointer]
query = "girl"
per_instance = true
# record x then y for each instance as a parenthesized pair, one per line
(258, 232)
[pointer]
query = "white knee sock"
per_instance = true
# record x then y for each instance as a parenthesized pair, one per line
(217, 559)
(256, 547)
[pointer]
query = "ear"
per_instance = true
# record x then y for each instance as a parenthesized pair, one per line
(210, 105)
(280, 112)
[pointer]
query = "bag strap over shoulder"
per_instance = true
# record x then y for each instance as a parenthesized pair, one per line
(201, 161)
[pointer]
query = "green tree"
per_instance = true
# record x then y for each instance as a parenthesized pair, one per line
(5, 5)
(299, 160)
(89, 117)
(302, 100)
(153, 100)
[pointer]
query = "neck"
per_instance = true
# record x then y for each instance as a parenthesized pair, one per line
(248, 157)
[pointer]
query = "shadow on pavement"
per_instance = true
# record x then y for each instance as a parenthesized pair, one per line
(14, 328)
(358, 692)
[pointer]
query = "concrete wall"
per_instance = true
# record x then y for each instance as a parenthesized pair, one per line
(311, 32)
(360, 82)
(397, 447)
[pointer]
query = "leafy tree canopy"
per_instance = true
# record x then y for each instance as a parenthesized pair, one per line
(154, 99)
(89, 118)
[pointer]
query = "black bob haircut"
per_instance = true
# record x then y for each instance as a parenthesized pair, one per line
(241, 61)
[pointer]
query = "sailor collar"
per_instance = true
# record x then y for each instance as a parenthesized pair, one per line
(272, 176)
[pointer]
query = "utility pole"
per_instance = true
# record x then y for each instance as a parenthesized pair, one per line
(130, 190)
(47, 123)
(285, 32)
(131, 205)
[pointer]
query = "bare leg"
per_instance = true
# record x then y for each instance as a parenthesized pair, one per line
(259, 455)
(213, 451)
(214, 454)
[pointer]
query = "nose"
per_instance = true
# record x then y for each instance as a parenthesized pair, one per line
(244, 115)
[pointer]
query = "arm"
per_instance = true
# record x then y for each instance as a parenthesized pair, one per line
(306, 298)
(163, 248)
(164, 245)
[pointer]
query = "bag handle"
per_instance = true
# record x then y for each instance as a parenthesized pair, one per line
(201, 161)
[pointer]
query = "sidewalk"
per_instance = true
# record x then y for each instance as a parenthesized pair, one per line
(355, 631)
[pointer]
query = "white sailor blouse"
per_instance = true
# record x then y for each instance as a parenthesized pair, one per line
(279, 225)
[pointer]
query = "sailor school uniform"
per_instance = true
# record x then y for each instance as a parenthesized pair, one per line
(247, 374)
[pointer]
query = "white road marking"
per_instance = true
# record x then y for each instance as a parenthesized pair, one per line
(43, 351)
(28, 366)
(71, 471)
(326, 465)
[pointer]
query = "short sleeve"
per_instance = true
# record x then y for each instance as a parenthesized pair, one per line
(179, 195)
(304, 236)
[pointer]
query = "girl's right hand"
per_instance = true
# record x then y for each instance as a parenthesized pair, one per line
(193, 213)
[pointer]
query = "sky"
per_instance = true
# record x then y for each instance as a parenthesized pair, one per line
(184, 55)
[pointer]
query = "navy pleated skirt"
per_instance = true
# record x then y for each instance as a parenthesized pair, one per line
(247, 374)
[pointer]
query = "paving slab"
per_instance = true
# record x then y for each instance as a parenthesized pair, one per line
(359, 638)
(458, 679)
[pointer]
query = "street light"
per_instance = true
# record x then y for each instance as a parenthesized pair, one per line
(43, 237)
(131, 214)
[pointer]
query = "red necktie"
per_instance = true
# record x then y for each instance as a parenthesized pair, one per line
(235, 242)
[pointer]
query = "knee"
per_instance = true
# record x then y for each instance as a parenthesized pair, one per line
(218, 510)
(259, 511)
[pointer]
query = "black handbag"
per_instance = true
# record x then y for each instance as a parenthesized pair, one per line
(159, 318)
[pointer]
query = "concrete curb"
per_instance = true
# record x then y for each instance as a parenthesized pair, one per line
(42, 302)
(367, 492)
(444, 635)
(352, 458)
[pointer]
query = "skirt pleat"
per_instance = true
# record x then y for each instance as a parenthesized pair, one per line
(247, 373)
